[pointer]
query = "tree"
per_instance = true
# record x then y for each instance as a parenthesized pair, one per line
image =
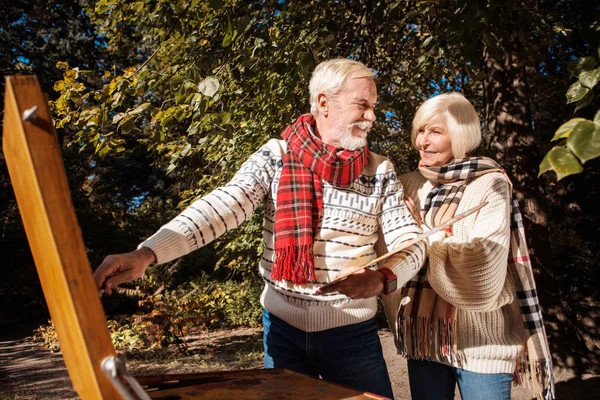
(32, 39)
(187, 90)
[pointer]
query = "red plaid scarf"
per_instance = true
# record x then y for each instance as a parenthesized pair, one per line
(300, 196)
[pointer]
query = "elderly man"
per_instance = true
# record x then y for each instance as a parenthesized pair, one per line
(326, 201)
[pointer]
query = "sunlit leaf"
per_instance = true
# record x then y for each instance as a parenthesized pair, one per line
(209, 86)
(103, 150)
(102, 6)
(118, 117)
(117, 99)
(545, 165)
(225, 117)
(565, 129)
(62, 65)
(186, 149)
(589, 78)
(584, 141)
(576, 92)
(59, 86)
(229, 34)
(140, 108)
(561, 161)
(166, 122)
(193, 128)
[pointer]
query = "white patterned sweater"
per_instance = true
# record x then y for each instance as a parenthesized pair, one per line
(352, 220)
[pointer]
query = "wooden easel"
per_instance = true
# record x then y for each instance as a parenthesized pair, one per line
(38, 177)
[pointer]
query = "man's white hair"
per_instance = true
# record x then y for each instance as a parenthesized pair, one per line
(459, 117)
(329, 77)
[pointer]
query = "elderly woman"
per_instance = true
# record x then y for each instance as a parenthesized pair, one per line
(471, 316)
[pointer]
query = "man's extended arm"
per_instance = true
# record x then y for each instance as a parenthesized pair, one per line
(202, 222)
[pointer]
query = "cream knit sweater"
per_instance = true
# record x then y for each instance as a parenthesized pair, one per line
(352, 220)
(469, 270)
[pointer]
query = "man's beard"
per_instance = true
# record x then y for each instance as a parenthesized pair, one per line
(348, 141)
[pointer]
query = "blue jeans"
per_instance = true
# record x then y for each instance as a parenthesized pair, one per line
(430, 380)
(348, 355)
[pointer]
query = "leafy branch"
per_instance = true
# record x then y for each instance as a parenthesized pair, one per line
(579, 137)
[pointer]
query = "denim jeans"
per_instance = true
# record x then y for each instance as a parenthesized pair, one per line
(430, 380)
(348, 355)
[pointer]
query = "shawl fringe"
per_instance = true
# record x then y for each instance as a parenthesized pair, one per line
(426, 338)
(535, 375)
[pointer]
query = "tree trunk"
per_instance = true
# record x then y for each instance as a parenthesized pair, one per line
(511, 139)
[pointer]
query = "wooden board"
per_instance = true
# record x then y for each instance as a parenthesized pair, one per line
(261, 384)
(40, 184)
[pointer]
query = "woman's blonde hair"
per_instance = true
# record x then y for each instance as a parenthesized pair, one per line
(459, 117)
(329, 77)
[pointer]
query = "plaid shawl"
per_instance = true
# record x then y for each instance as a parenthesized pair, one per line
(426, 325)
(300, 196)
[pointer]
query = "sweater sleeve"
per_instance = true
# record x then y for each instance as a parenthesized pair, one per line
(398, 227)
(471, 273)
(221, 210)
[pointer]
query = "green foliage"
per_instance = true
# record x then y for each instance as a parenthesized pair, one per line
(581, 136)
(34, 36)
(561, 161)
(204, 303)
(208, 83)
(166, 316)
(243, 246)
(129, 333)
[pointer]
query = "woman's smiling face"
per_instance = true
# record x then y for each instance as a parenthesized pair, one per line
(434, 145)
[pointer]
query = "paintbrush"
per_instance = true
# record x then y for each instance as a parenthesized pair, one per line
(346, 272)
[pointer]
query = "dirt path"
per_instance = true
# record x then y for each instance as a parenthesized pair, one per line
(27, 372)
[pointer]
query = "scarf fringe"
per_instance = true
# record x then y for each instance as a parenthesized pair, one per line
(427, 339)
(294, 264)
(535, 375)
(307, 163)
